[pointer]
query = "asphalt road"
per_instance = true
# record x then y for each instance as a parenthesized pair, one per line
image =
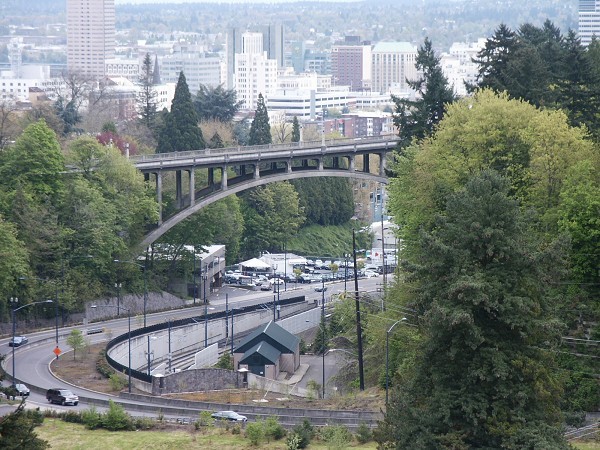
(32, 361)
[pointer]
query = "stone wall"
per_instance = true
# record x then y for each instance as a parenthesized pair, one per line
(195, 380)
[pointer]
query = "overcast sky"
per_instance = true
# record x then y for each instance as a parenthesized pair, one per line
(137, 2)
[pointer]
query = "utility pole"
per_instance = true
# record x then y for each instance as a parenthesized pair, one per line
(361, 374)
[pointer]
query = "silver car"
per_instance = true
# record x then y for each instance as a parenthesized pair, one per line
(232, 416)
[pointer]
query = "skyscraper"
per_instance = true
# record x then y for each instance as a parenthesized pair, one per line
(351, 63)
(589, 20)
(392, 64)
(90, 36)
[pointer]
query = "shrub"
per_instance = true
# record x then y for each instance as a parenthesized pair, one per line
(306, 432)
(91, 418)
(273, 429)
(337, 437)
(363, 433)
(102, 365)
(236, 429)
(116, 418)
(144, 423)
(72, 417)
(292, 442)
(205, 420)
(255, 432)
(35, 415)
(117, 382)
(225, 361)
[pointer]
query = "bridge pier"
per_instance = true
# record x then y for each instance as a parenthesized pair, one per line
(321, 164)
(224, 178)
(192, 180)
(382, 164)
(159, 195)
(366, 168)
(351, 167)
(178, 189)
(211, 176)
(289, 166)
(256, 171)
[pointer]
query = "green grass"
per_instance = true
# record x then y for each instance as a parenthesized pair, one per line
(587, 445)
(68, 436)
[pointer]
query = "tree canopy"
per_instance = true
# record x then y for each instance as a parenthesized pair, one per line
(180, 131)
(216, 103)
(260, 130)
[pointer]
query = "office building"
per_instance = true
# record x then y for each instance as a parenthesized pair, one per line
(90, 36)
(392, 64)
(589, 20)
(351, 63)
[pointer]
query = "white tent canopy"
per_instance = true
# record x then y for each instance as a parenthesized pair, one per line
(255, 263)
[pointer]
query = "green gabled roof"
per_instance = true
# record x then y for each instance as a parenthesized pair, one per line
(276, 336)
(265, 350)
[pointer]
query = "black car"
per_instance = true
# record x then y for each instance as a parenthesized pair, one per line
(17, 341)
(21, 389)
(61, 396)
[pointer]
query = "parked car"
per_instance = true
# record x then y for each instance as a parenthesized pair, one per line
(320, 288)
(232, 416)
(21, 389)
(265, 286)
(17, 341)
(62, 396)
(370, 274)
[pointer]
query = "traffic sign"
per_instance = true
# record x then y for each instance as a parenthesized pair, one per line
(57, 352)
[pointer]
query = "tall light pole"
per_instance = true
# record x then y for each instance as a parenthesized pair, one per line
(128, 338)
(322, 327)
(361, 373)
(14, 301)
(387, 356)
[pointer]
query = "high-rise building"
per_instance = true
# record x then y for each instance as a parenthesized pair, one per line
(90, 36)
(273, 44)
(254, 73)
(351, 63)
(392, 64)
(589, 20)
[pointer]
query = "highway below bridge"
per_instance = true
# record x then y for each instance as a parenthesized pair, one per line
(33, 368)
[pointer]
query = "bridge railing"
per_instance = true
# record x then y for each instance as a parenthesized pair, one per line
(260, 148)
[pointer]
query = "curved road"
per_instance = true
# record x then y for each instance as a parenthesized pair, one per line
(33, 361)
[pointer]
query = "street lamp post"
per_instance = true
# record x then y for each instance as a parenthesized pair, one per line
(361, 373)
(322, 327)
(128, 339)
(387, 356)
(14, 301)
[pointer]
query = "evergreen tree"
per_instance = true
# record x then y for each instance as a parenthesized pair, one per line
(216, 141)
(17, 430)
(180, 130)
(147, 103)
(481, 378)
(295, 130)
(216, 103)
(417, 119)
(260, 130)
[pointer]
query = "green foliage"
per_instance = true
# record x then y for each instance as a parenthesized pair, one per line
(102, 365)
(225, 361)
(416, 119)
(337, 437)
(305, 432)
(273, 429)
(325, 201)
(255, 432)
(17, 431)
(117, 382)
(260, 130)
(272, 215)
(91, 418)
(76, 341)
(292, 442)
(216, 103)
(295, 130)
(314, 389)
(146, 101)
(116, 419)
(180, 130)
(481, 286)
(364, 433)
(205, 420)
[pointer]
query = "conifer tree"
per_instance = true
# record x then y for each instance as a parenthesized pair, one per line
(260, 130)
(180, 131)
(295, 130)
(147, 97)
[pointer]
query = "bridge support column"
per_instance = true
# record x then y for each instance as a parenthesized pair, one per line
(382, 164)
(289, 166)
(224, 178)
(178, 189)
(256, 171)
(159, 195)
(336, 162)
(366, 168)
(320, 164)
(192, 178)
(351, 166)
(211, 176)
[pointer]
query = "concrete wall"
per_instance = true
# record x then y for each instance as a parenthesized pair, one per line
(272, 385)
(194, 380)
(207, 357)
(288, 363)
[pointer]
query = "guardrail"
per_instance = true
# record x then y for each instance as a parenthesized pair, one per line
(143, 376)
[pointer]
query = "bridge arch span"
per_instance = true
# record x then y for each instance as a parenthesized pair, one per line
(249, 184)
